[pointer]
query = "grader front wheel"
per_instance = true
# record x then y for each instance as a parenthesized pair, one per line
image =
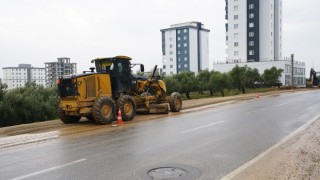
(175, 102)
(128, 107)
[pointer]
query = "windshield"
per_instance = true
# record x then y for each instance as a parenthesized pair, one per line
(103, 66)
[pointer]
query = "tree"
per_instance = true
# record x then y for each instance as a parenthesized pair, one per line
(203, 79)
(188, 82)
(3, 90)
(220, 82)
(31, 103)
(172, 84)
(271, 76)
(252, 76)
(239, 77)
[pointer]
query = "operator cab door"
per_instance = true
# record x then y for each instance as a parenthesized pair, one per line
(120, 77)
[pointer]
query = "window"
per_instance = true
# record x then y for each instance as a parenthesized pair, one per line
(185, 51)
(178, 38)
(251, 25)
(251, 34)
(251, 52)
(179, 59)
(171, 66)
(185, 44)
(170, 39)
(185, 30)
(236, 35)
(179, 31)
(251, 15)
(179, 52)
(185, 37)
(236, 53)
(251, 43)
(236, 26)
(235, 8)
(179, 66)
(178, 45)
(170, 45)
(235, 17)
(251, 6)
(185, 65)
(236, 44)
(171, 59)
(185, 58)
(171, 52)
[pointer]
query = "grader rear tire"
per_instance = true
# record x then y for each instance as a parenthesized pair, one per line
(128, 107)
(104, 110)
(175, 102)
(68, 119)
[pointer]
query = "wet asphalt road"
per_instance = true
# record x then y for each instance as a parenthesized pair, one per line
(204, 144)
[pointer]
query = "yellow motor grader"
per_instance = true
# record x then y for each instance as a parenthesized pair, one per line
(97, 94)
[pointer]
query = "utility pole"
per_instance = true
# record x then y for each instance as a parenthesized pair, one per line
(292, 62)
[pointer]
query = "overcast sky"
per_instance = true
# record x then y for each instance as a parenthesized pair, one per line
(38, 31)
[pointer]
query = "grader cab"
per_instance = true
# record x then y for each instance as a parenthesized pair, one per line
(98, 94)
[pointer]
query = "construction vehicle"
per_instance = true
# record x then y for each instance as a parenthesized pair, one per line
(314, 79)
(98, 93)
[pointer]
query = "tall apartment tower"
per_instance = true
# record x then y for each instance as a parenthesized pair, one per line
(185, 47)
(253, 30)
(16, 77)
(55, 70)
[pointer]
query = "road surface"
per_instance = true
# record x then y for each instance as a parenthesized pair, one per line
(202, 143)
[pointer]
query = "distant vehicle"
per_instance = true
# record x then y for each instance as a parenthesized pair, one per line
(314, 79)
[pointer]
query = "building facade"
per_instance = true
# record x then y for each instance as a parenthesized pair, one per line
(185, 47)
(55, 70)
(16, 77)
(299, 72)
(253, 30)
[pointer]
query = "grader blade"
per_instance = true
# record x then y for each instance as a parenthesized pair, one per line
(159, 108)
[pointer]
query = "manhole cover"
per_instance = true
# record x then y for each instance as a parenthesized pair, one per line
(166, 173)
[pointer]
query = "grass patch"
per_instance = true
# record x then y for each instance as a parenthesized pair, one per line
(232, 92)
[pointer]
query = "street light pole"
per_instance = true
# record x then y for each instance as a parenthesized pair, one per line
(292, 62)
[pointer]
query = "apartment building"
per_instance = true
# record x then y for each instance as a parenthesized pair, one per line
(253, 30)
(16, 77)
(55, 70)
(185, 47)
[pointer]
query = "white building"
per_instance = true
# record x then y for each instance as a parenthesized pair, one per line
(299, 79)
(254, 30)
(55, 70)
(185, 47)
(16, 77)
(254, 38)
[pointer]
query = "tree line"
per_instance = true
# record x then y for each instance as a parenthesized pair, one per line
(32, 103)
(239, 78)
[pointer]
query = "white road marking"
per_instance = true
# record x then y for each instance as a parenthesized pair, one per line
(49, 169)
(234, 173)
(190, 130)
(280, 104)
